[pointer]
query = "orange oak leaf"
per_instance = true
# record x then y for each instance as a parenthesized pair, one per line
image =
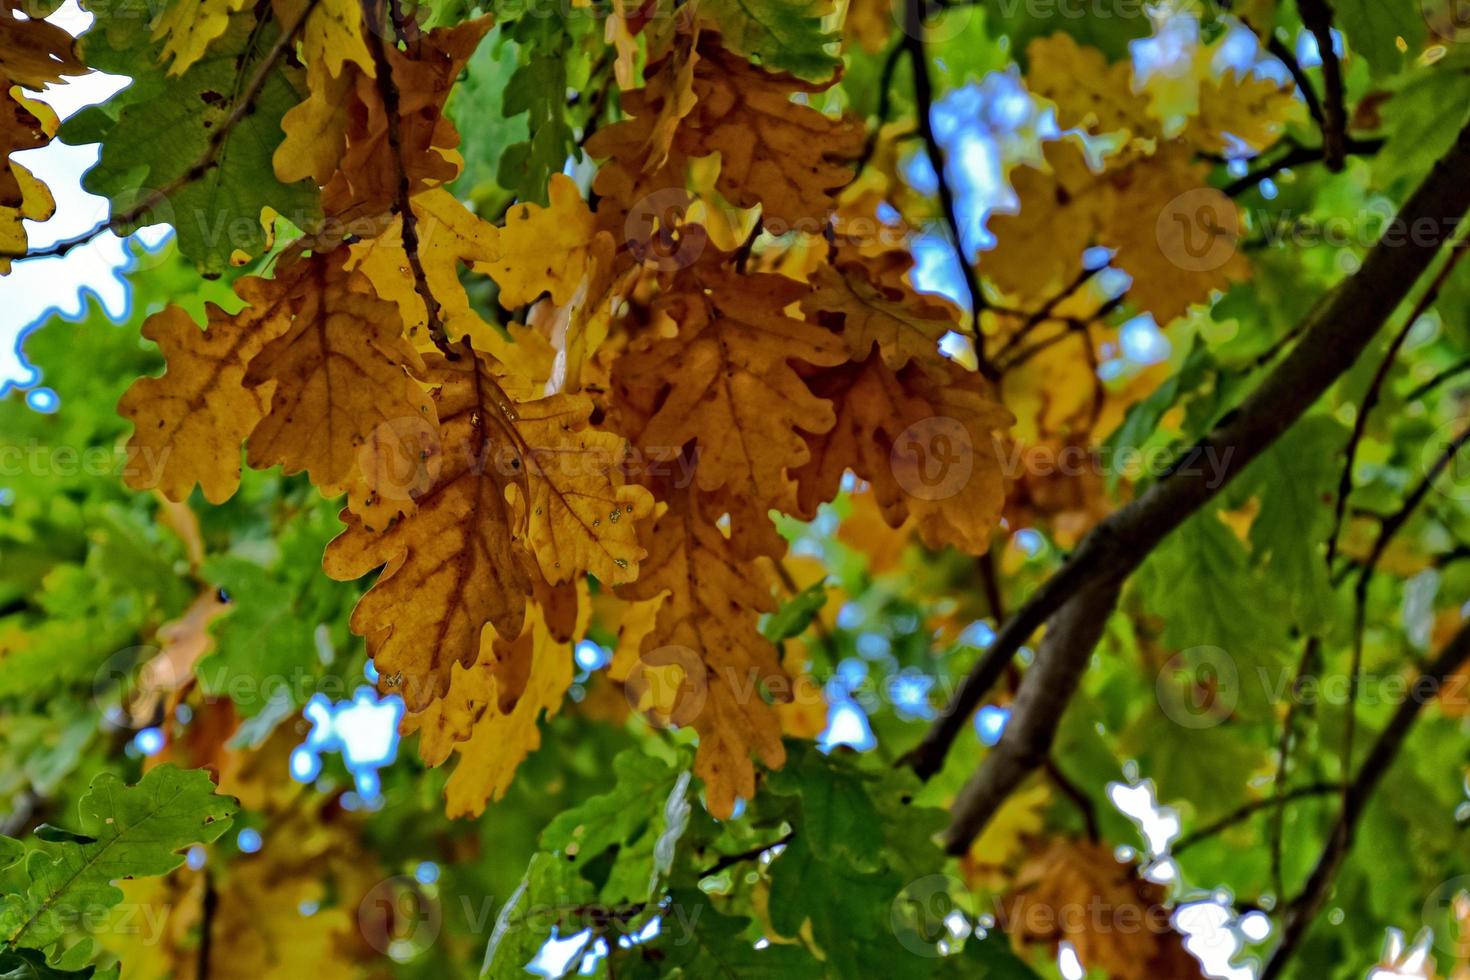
(788, 158)
(189, 422)
(928, 438)
(728, 377)
(875, 307)
(707, 630)
(518, 484)
(342, 378)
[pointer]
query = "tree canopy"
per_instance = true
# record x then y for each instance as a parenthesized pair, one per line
(821, 488)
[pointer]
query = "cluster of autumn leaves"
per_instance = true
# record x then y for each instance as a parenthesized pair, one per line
(669, 385)
(663, 396)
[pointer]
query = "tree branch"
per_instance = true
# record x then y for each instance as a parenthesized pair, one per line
(1317, 16)
(1025, 745)
(1296, 157)
(375, 12)
(1246, 811)
(1336, 335)
(913, 44)
(244, 104)
(1309, 903)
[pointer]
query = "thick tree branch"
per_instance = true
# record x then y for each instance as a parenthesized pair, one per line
(1307, 905)
(1045, 690)
(1337, 333)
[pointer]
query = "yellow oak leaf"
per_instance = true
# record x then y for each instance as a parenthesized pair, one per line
(187, 27)
(333, 32)
(516, 481)
(1089, 93)
(33, 202)
(1039, 248)
(1177, 237)
(1254, 111)
(788, 158)
(341, 374)
(316, 128)
(579, 517)
(874, 307)
(189, 422)
(708, 626)
(545, 249)
(450, 235)
(927, 438)
(502, 735)
(729, 378)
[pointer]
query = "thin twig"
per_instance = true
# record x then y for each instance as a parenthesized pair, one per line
(1448, 374)
(1375, 390)
(1278, 50)
(1297, 156)
(730, 860)
(913, 43)
(1317, 17)
(374, 13)
(1245, 811)
(1340, 841)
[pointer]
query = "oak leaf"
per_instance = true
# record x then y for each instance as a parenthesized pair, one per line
(190, 421)
(928, 438)
(341, 375)
(490, 712)
(877, 308)
(518, 482)
(729, 378)
(545, 249)
(708, 625)
(788, 158)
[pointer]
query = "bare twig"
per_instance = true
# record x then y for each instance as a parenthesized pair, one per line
(1282, 53)
(1448, 374)
(1246, 810)
(1295, 157)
